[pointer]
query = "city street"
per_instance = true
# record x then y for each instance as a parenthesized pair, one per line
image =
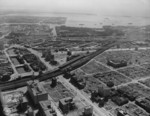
(97, 111)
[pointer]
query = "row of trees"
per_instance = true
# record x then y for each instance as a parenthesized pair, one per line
(49, 57)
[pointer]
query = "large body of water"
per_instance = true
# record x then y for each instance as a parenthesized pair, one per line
(87, 20)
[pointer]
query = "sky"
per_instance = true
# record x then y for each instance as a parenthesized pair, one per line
(104, 7)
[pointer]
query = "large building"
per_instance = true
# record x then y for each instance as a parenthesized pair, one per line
(46, 109)
(66, 104)
(36, 91)
(116, 64)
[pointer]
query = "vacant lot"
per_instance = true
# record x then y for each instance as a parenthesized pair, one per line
(146, 82)
(94, 67)
(92, 84)
(58, 92)
(113, 76)
(135, 72)
(129, 56)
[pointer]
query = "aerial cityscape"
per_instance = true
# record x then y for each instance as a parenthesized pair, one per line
(69, 63)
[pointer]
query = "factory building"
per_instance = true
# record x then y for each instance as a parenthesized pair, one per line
(36, 91)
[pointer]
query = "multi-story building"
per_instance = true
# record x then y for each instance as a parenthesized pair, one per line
(46, 109)
(66, 104)
(36, 91)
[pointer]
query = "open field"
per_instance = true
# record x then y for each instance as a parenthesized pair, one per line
(11, 52)
(134, 91)
(15, 61)
(92, 84)
(135, 72)
(146, 82)
(21, 70)
(79, 72)
(113, 76)
(141, 89)
(94, 67)
(65, 31)
(146, 66)
(144, 56)
(118, 56)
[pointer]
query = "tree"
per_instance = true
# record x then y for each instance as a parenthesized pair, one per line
(56, 50)
(69, 53)
(110, 84)
(87, 52)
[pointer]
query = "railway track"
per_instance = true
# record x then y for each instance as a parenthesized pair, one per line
(69, 66)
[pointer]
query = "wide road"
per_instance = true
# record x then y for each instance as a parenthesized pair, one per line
(97, 111)
(72, 65)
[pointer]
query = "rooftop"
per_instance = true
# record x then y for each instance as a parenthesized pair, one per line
(36, 87)
(45, 104)
(66, 100)
(11, 101)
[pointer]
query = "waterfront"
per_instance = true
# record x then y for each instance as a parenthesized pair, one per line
(93, 20)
